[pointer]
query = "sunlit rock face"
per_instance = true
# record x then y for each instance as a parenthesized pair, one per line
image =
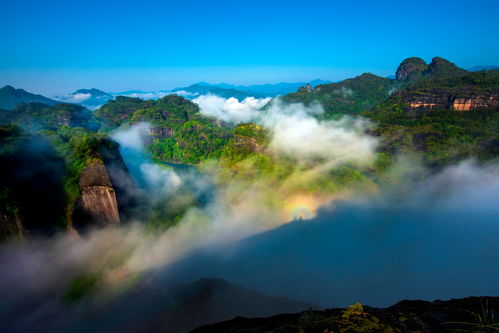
(98, 197)
(427, 99)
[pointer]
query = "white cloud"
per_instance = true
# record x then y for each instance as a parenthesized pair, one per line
(297, 132)
(231, 110)
(184, 93)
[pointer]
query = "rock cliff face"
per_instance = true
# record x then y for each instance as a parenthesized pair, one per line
(441, 98)
(306, 88)
(410, 68)
(248, 143)
(161, 132)
(98, 197)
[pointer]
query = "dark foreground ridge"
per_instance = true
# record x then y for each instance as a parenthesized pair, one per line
(472, 314)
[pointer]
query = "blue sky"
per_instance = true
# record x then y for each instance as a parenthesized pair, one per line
(59, 46)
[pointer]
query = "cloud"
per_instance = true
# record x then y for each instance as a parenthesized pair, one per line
(74, 98)
(437, 240)
(298, 132)
(145, 95)
(231, 110)
(344, 92)
(132, 137)
(184, 93)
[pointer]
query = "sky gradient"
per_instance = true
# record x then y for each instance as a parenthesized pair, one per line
(59, 46)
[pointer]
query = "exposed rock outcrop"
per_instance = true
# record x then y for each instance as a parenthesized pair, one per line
(410, 68)
(248, 143)
(161, 132)
(307, 88)
(98, 197)
(465, 100)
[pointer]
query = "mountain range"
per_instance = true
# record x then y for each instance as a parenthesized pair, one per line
(10, 97)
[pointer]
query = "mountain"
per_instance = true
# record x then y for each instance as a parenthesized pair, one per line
(447, 119)
(482, 68)
(44, 116)
(88, 97)
(179, 132)
(205, 89)
(270, 90)
(10, 97)
(472, 314)
(240, 92)
(151, 306)
(350, 96)
(414, 69)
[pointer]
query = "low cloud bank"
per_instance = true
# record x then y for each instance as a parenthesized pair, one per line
(231, 110)
(436, 239)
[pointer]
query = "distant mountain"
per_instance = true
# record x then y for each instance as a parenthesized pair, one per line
(204, 88)
(240, 92)
(272, 89)
(88, 97)
(10, 97)
(482, 68)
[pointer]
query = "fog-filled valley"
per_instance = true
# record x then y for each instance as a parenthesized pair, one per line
(175, 210)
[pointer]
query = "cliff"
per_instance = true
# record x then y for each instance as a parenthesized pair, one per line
(108, 193)
(98, 198)
(463, 100)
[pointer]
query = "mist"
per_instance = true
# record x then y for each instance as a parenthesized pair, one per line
(436, 241)
(413, 235)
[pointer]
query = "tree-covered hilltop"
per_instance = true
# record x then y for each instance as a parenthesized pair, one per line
(350, 96)
(39, 115)
(415, 69)
(360, 94)
(10, 97)
(447, 119)
(179, 132)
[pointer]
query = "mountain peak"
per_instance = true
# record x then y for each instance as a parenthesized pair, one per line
(10, 97)
(410, 68)
(92, 91)
(443, 68)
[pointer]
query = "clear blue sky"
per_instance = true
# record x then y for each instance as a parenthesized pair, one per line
(59, 46)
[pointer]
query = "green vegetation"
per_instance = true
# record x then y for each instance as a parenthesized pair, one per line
(10, 97)
(80, 287)
(43, 116)
(441, 135)
(180, 133)
(351, 96)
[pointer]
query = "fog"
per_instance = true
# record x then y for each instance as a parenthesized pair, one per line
(417, 233)
(437, 240)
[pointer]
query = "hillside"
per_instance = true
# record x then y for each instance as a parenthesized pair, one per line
(473, 314)
(40, 115)
(179, 132)
(350, 96)
(447, 119)
(10, 97)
